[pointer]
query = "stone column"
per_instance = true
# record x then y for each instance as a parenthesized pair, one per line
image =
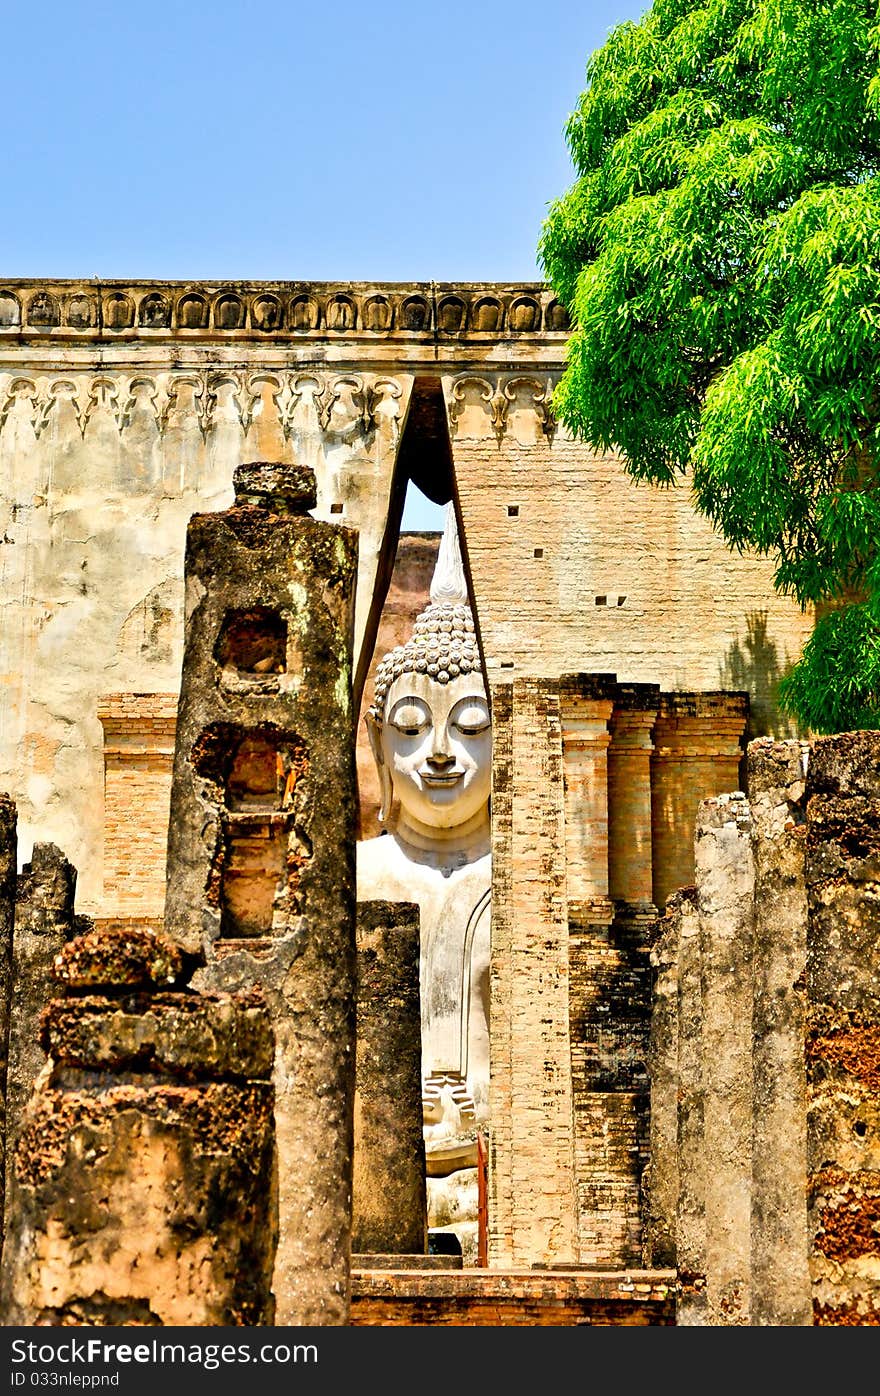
(585, 705)
(725, 893)
(843, 1027)
(44, 922)
(630, 861)
(693, 1166)
(260, 871)
(780, 1266)
(661, 1179)
(389, 1207)
(8, 856)
(532, 1207)
(143, 1187)
(697, 753)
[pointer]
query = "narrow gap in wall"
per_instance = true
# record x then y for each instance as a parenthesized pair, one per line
(424, 458)
(422, 486)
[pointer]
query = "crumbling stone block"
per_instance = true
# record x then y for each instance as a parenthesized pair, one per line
(142, 1190)
(44, 921)
(125, 958)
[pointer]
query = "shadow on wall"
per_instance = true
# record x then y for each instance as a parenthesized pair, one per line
(753, 665)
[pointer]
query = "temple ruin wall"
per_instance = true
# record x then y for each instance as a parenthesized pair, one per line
(125, 407)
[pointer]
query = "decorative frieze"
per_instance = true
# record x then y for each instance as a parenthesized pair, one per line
(277, 310)
(341, 404)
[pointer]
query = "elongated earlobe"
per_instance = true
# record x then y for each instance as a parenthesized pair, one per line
(374, 732)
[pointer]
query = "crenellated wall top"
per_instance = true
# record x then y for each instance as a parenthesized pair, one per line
(279, 311)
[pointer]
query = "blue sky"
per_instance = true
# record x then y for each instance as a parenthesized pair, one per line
(331, 142)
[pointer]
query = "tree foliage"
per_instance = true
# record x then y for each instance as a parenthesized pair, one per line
(719, 254)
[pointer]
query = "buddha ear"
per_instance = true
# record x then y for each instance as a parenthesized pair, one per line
(374, 732)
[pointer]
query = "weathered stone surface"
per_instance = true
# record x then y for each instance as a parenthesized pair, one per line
(693, 1164)
(122, 958)
(780, 1265)
(8, 847)
(661, 1178)
(778, 1028)
(187, 1035)
(274, 485)
(142, 1204)
(261, 843)
(388, 1190)
(843, 1027)
(725, 889)
(143, 1182)
(44, 921)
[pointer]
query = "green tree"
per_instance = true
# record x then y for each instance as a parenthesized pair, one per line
(719, 255)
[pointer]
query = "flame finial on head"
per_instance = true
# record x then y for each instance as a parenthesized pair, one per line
(448, 585)
(443, 643)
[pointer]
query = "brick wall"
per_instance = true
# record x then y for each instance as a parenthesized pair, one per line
(138, 754)
(570, 972)
(513, 1298)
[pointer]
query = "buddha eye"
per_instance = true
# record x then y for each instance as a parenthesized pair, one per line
(472, 719)
(409, 717)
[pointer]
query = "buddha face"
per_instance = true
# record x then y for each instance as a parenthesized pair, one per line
(436, 745)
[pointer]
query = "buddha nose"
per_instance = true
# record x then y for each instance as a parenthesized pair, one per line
(440, 755)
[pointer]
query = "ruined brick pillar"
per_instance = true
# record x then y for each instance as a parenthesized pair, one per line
(630, 858)
(532, 1198)
(8, 856)
(697, 753)
(780, 1270)
(725, 890)
(44, 922)
(261, 840)
(389, 1206)
(608, 1005)
(142, 1190)
(843, 1027)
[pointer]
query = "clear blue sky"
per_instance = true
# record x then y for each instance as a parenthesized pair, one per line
(333, 141)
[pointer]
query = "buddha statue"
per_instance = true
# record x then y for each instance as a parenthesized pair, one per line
(430, 735)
